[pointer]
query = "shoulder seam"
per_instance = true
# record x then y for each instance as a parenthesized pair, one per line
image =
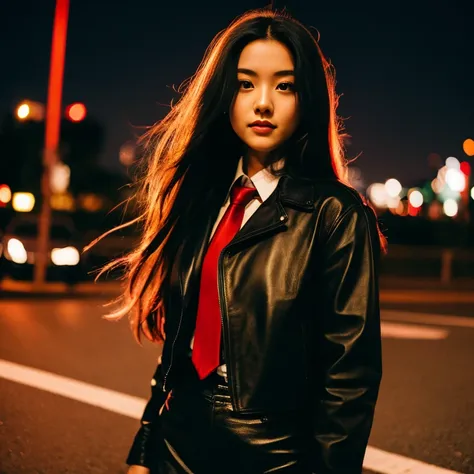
(344, 214)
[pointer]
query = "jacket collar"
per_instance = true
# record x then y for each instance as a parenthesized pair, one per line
(271, 216)
(296, 192)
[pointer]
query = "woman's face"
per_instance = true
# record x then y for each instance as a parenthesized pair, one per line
(265, 73)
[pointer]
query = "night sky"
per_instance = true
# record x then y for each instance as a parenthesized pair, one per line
(405, 69)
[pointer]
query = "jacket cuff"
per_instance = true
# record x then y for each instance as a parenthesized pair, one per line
(145, 449)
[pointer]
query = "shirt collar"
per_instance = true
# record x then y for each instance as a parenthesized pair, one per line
(263, 181)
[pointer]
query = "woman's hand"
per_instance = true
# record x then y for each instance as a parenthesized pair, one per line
(138, 470)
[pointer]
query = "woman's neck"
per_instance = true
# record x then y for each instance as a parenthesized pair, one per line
(253, 164)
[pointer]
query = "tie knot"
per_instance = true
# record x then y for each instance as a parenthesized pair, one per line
(241, 195)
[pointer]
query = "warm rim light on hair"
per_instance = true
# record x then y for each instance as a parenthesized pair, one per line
(185, 141)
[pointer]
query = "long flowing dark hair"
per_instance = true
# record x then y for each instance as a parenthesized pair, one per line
(195, 148)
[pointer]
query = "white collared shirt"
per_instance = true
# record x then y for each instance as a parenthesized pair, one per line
(265, 183)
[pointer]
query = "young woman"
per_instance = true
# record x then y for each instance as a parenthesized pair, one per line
(258, 268)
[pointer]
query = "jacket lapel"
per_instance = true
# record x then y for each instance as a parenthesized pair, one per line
(269, 217)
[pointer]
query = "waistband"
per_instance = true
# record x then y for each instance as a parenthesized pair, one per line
(214, 386)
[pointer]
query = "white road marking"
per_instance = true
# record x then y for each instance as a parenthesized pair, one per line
(412, 331)
(377, 460)
(111, 400)
(428, 318)
(384, 462)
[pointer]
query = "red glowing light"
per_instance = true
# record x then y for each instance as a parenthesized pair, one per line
(466, 168)
(5, 194)
(76, 112)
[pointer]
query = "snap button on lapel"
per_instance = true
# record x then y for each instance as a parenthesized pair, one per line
(282, 218)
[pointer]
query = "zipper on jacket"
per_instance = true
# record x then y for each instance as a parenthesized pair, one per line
(221, 297)
(177, 332)
(220, 286)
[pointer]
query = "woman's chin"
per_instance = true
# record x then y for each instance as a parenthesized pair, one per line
(259, 148)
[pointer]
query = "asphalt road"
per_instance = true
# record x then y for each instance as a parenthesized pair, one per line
(425, 410)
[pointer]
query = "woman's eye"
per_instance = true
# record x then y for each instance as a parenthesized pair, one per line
(286, 86)
(245, 84)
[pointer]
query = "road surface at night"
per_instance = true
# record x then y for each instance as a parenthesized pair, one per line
(72, 386)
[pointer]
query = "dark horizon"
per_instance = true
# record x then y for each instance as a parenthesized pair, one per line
(405, 76)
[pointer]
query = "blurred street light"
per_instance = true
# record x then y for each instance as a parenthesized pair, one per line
(76, 112)
(455, 179)
(65, 256)
(30, 110)
(23, 111)
(393, 187)
(23, 202)
(468, 147)
(437, 185)
(452, 163)
(60, 177)
(415, 198)
(378, 194)
(127, 153)
(450, 207)
(5, 194)
(465, 168)
(17, 251)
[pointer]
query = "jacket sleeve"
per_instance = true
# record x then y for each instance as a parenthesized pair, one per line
(349, 351)
(145, 450)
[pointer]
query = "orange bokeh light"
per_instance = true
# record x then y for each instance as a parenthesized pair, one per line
(76, 112)
(468, 147)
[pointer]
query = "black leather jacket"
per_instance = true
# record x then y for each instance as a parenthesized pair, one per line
(298, 291)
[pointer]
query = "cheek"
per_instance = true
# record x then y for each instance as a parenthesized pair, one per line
(291, 117)
(292, 109)
(237, 114)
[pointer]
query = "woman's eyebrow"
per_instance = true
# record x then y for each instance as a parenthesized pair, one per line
(286, 72)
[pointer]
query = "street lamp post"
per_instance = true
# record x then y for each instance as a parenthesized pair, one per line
(53, 120)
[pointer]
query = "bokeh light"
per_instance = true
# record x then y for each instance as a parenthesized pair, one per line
(466, 168)
(76, 112)
(455, 179)
(452, 162)
(23, 202)
(378, 194)
(415, 198)
(30, 110)
(127, 153)
(393, 187)
(23, 111)
(5, 194)
(437, 186)
(450, 207)
(402, 208)
(468, 147)
(60, 177)
(65, 256)
(393, 202)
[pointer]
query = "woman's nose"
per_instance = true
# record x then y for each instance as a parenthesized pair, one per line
(264, 104)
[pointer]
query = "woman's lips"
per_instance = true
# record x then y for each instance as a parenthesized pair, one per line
(262, 129)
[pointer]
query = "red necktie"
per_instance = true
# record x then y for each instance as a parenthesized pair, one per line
(207, 336)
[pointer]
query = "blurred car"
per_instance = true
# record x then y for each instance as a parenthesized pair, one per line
(20, 249)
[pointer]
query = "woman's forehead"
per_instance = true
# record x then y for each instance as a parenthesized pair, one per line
(266, 56)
